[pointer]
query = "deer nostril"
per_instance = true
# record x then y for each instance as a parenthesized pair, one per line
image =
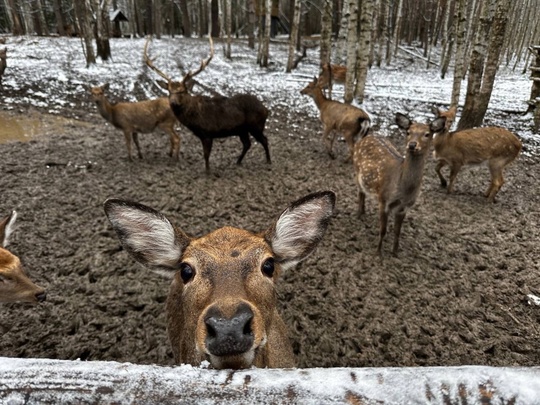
(412, 145)
(247, 328)
(41, 296)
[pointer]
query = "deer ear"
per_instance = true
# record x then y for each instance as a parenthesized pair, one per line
(403, 121)
(147, 235)
(300, 228)
(438, 125)
(6, 228)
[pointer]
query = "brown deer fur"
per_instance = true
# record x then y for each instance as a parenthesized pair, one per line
(143, 116)
(15, 286)
(331, 74)
(496, 146)
(337, 117)
(222, 304)
(215, 117)
(3, 63)
(393, 180)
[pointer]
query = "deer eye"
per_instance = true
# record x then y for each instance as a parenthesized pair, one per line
(186, 272)
(268, 267)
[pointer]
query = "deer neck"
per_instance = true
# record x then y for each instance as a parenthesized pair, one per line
(105, 108)
(412, 170)
(319, 97)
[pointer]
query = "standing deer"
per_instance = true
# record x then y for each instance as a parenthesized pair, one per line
(15, 286)
(347, 119)
(331, 74)
(395, 181)
(215, 117)
(143, 116)
(3, 63)
(222, 304)
(494, 145)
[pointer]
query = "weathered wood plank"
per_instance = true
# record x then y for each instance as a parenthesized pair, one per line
(42, 381)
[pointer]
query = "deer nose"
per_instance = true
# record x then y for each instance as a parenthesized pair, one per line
(41, 296)
(412, 145)
(226, 337)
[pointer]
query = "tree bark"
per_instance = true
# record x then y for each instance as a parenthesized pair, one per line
(397, 27)
(82, 12)
(157, 19)
(294, 34)
(17, 28)
(228, 27)
(364, 42)
(103, 29)
(352, 41)
(251, 21)
(326, 33)
(341, 48)
(460, 20)
(60, 20)
(186, 21)
(40, 24)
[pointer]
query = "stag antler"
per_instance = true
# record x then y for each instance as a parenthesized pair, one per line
(204, 63)
(150, 62)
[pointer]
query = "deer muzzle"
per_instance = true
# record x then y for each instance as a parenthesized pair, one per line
(229, 336)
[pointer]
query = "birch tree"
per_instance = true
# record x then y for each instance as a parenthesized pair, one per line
(484, 64)
(102, 30)
(82, 12)
(352, 40)
(364, 43)
(341, 47)
(397, 26)
(294, 34)
(460, 20)
(228, 28)
(326, 33)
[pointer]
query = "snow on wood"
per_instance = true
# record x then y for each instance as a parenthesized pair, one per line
(43, 381)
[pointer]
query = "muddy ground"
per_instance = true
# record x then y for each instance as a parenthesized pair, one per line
(455, 295)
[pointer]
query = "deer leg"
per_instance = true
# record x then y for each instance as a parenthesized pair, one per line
(326, 132)
(398, 221)
(127, 136)
(263, 140)
(383, 221)
(497, 180)
(207, 148)
(349, 138)
(454, 170)
(246, 143)
(175, 144)
(136, 141)
(440, 165)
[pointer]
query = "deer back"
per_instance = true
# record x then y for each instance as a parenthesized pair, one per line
(15, 286)
(477, 145)
(222, 304)
(337, 73)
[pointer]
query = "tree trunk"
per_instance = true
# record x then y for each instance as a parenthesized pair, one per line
(82, 12)
(228, 27)
(40, 24)
(265, 50)
(364, 42)
(481, 88)
(28, 21)
(326, 33)
(60, 20)
(186, 21)
(460, 21)
(214, 10)
(352, 41)
(102, 29)
(148, 18)
(294, 34)
(397, 27)
(343, 31)
(157, 19)
(251, 21)
(17, 28)
(447, 34)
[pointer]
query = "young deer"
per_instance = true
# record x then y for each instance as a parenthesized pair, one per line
(142, 116)
(331, 74)
(222, 304)
(15, 285)
(3, 63)
(210, 118)
(349, 120)
(496, 146)
(382, 172)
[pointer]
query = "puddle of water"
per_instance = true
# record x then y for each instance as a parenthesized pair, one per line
(25, 127)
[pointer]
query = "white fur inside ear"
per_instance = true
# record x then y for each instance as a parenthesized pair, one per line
(148, 235)
(297, 228)
(10, 226)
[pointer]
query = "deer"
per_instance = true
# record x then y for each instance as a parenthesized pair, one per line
(332, 74)
(15, 286)
(142, 116)
(222, 302)
(496, 146)
(3, 63)
(351, 121)
(209, 118)
(393, 180)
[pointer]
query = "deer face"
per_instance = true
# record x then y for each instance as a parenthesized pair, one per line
(309, 90)
(15, 286)
(222, 303)
(98, 93)
(419, 136)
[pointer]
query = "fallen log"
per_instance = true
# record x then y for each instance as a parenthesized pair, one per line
(43, 381)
